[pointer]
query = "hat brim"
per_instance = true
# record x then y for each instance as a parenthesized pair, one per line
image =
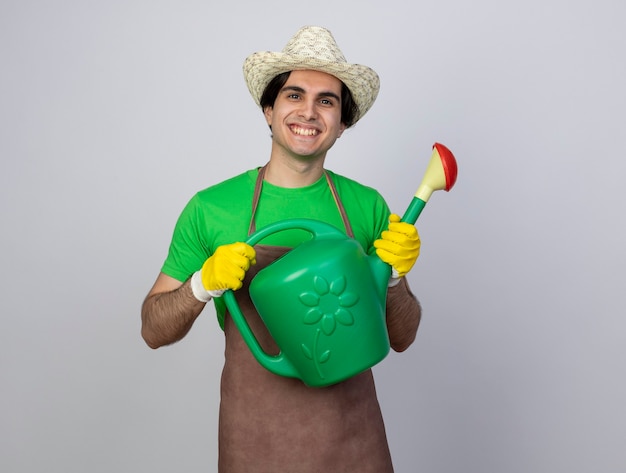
(261, 67)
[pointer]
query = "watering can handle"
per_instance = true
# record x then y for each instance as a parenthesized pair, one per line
(277, 364)
(315, 227)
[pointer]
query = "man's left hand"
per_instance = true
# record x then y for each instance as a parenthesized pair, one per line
(399, 246)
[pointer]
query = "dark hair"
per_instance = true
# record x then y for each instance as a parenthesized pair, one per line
(349, 108)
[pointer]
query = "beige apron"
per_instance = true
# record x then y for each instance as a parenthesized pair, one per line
(272, 424)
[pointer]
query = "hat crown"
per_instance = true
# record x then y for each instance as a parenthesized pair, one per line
(314, 42)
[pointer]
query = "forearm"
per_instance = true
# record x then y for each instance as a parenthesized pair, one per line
(403, 316)
(167, 316)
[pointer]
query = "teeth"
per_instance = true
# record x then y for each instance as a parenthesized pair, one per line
(304, 131)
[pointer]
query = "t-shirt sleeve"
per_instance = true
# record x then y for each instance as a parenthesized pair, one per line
(188, 250)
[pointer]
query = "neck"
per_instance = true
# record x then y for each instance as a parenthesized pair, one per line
(293, 173)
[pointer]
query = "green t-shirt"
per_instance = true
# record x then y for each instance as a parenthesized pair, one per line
(221, 214)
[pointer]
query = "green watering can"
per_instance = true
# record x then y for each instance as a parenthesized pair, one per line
(329, 321)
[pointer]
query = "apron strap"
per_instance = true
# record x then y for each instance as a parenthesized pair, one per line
(340, 207)
(255, 199)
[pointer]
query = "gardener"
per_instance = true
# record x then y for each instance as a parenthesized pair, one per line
(309, 95)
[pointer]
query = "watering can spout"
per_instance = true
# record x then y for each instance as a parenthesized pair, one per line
(440, 175)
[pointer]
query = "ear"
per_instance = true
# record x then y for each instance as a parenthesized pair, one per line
(342, 128)
(268, 112)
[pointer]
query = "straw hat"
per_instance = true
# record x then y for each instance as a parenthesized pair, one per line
(312, 48)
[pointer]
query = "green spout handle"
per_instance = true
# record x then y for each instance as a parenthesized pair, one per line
(414, 210)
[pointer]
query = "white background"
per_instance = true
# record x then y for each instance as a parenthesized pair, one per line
(112, 114)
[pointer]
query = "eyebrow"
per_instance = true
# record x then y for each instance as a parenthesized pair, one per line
(295, 88)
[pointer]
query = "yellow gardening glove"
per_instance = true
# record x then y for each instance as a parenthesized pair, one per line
(398, 246)
(225, 269)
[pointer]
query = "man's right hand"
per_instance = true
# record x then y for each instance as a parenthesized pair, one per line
(167, 316)
(224, 270)
(227, 267)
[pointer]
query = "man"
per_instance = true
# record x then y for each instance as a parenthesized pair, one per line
(309, 95)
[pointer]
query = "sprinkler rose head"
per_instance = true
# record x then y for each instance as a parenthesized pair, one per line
(440, 175)
(448, 163)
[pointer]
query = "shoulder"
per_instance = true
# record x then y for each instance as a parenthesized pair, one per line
(220, 202)
(366, 208)
(346, 185)
(233, 194)
(243, 182)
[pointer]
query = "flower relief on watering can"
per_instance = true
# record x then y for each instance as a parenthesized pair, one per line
(329, 304)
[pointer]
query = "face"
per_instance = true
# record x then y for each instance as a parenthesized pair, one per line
(306, 117)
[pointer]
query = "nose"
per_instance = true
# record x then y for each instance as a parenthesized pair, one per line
(308, 110)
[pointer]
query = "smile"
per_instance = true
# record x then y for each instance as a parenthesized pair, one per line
(297, 130)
